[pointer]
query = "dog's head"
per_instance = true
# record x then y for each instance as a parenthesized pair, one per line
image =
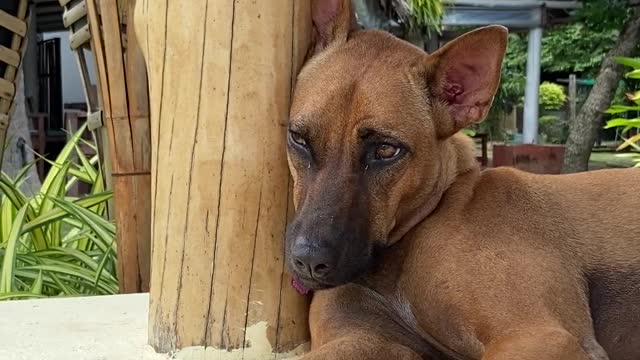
(369, 137)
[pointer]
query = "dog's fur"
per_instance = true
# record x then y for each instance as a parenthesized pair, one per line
(415, 252)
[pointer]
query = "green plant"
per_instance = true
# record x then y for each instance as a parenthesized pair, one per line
(576, 48)
(511, 89)
(512, 78)
(552, 96)
(426, 14)
(632, 112)
(553, 129)
(52, 243)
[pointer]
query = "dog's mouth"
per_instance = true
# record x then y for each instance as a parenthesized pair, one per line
(305, 285)
(356, 270)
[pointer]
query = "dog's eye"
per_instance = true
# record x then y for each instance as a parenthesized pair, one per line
(297, 138)
(387, 152)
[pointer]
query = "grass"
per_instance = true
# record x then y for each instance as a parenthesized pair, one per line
(613, 159)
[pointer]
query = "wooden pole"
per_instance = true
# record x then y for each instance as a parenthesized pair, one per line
(220, 77)
(123, 87)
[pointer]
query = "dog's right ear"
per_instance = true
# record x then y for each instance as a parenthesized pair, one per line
(333, 20)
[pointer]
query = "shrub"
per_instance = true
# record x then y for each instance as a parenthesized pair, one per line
(553, 129)
(628, 122)
(552, 96)
(51, 243)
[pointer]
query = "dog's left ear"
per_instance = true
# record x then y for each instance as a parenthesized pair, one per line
(464, 76)
(333, 20)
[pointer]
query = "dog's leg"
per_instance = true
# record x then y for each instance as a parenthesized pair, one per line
(540, 344)
(348, 322)
(362, 347)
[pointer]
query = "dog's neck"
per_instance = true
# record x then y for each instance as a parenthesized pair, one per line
(457, 159)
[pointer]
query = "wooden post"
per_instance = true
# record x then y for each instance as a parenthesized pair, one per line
(123, 87)
(220, 77)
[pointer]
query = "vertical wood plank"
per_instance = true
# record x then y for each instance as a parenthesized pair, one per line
(123, 86)
(291, 329)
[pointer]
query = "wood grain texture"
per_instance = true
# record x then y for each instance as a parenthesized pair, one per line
(74, 13)
(9, 56)
(15, 24)
(7, 105)
(220, 88)
(7, 89)
(80, 37)
(125, 102)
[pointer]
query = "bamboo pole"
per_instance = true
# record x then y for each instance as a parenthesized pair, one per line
(125, 102)
(220, 76)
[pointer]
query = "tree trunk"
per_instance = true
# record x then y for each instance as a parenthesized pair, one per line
(583, 131)
(220, 79)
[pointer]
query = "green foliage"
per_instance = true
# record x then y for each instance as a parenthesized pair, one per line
(512, 81)
(576, 48)
(426, 14)
(54, 244)
(604, 14)
(511, 90)
(552, 96)
(553, 129)
(580, 46)
(630, 124)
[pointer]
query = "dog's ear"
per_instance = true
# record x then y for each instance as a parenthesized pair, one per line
(464, 76)
(333, 20)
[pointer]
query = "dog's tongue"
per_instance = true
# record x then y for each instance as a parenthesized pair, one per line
(297, 284)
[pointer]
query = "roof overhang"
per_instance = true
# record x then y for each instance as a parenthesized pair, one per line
(514, 14)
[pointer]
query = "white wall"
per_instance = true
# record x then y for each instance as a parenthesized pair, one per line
(72, 91)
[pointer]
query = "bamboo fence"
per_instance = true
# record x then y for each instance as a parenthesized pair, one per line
(122, 83)
(13, 29)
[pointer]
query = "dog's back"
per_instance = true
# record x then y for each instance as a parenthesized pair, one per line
(592, 217)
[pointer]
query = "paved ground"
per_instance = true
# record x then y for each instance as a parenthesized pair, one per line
(105, 328)
(95, 328)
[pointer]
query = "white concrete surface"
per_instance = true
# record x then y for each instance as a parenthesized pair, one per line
(81, 328)
(105, 328)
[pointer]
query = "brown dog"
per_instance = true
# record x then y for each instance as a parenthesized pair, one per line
(419, 254)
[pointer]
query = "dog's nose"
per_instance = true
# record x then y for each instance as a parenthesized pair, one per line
(311, 261)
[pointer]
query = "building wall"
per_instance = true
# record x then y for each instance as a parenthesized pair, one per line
(30, 65)
(72, 91)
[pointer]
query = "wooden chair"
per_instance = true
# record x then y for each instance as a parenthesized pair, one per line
(39, 138)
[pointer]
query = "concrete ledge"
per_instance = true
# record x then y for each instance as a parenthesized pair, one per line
(81, 328)
(105, 328)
